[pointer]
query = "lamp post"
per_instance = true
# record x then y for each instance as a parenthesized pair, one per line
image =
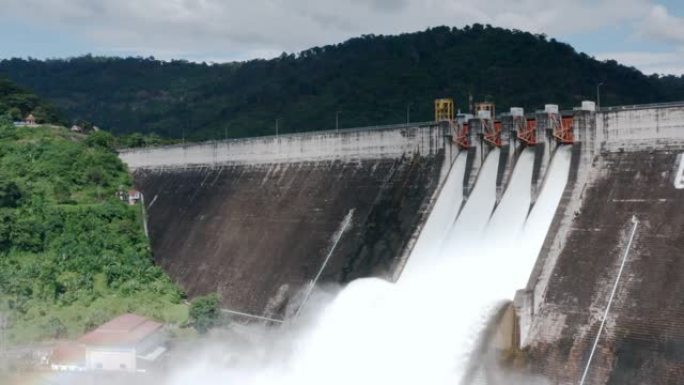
(408, 113)
(337, 121)
(598, 95)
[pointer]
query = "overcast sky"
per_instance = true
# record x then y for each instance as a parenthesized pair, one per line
(648, 34)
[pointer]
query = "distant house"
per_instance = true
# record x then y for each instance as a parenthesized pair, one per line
(134, 196)
(76, 128)
(127, 343)
(30, 120)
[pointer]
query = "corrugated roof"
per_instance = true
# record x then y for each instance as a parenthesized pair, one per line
(125, 330)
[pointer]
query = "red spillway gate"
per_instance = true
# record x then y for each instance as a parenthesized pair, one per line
(492, 133)
(528, 134)
(462, 137)
(563, 133)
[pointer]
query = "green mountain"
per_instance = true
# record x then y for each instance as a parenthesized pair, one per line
(370, 80)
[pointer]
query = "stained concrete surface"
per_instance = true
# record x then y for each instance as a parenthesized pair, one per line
(644, 338)
(257, 234)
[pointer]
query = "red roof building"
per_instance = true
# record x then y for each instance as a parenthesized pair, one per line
(119, 344)
(68, 356)
(125, 330)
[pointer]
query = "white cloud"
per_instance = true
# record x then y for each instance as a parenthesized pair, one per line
(660, 25)
(243, 28)
(298, 24)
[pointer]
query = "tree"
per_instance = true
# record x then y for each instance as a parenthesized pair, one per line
(55, 328)
(41, 114)
(100, 139)
(10, 194)
(205, 312)
(15, 114)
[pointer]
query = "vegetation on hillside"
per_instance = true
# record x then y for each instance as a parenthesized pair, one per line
(72, 255)
(16, 103)
(369, 80)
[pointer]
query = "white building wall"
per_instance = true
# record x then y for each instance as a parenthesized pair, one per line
(111, 359)
(318, 146)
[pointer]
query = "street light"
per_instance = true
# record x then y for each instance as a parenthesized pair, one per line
(598, 95)
(408, 113)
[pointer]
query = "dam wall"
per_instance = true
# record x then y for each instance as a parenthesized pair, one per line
(362, 143)
(637, 128)
(259, 220)
(626, 164)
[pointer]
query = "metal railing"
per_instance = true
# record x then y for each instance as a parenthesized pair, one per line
(641, 106)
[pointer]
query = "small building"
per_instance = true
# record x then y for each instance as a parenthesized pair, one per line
(30, 120)
(127, 343)
(76, 128)
(134, 196)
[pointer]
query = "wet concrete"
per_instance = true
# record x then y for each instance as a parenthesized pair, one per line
(644, 337)
(258, 234)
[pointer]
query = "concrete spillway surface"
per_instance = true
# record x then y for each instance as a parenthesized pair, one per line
(423, 328)
(257, 234)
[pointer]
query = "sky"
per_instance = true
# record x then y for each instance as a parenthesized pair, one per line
(646, 34)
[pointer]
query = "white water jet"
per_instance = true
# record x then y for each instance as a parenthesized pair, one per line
(441, 217)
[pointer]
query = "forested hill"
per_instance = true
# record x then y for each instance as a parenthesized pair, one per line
(16, 103)
(370, 80)
(72, 254)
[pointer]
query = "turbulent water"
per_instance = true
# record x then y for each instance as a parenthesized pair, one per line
(423, 328)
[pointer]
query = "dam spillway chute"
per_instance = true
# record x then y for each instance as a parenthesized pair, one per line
(443, 214)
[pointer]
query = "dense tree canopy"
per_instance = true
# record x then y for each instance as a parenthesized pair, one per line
(17, 103)
(72, 255)
(369, 80)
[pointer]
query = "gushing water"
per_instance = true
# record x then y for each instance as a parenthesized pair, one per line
(423, 328)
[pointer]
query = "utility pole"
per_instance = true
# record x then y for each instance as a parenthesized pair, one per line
(598, 95)
(276, 126)
(408, 113)
(337, 121)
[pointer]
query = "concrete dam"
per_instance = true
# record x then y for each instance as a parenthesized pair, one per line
(563, 257)
(258, 220)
